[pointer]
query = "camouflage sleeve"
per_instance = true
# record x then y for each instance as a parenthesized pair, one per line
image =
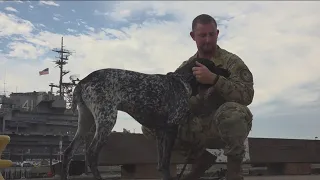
(186, 61)
(183, 63)
(239, 86)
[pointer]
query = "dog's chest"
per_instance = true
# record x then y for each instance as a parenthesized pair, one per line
(149, 102)
(149, 107)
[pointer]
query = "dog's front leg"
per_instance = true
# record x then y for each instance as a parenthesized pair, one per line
(165, 147)
(160, 138)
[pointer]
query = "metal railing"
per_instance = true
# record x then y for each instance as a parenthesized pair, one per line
(25, 172)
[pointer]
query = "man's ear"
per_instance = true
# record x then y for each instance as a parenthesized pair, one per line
(218, 32)
(192, 35)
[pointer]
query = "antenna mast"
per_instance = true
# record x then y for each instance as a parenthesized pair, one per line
(4, 82)
(65, 89)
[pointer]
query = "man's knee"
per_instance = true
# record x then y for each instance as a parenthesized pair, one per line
(232, 114)
(234, 122)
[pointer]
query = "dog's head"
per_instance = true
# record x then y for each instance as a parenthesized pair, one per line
(187, 72)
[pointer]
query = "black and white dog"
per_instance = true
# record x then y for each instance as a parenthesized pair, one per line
(156, 101)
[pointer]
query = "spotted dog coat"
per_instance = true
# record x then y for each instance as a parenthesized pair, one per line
(156, 101)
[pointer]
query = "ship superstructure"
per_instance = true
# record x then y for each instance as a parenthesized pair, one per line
(40, 124)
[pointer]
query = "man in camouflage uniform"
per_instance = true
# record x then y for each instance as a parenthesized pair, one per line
(223, 112)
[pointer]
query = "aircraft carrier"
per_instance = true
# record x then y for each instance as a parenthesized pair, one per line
(40, 124)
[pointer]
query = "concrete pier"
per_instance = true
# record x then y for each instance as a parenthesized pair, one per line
(284, 177)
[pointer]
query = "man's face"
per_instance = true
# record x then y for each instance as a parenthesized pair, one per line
(205, 36)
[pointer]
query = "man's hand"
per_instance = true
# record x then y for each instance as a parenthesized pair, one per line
(203, 75)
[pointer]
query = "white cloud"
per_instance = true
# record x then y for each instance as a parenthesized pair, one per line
(11, 9)
(16, 1)
(24, 51)
(3, 59)
(301, 96)
(57, 15)
(12, 25)
(40, 25)
(89, 28)
(71, 30)
(278, 40)
(55, 18)
(49, 3)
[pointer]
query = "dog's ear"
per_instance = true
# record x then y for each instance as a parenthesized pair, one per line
(206, 62)
(213, 68)
(223, 72)
(186, 68)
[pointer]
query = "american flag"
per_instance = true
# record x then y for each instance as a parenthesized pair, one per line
(43, 72)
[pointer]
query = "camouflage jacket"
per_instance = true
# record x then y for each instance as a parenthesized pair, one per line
(237, 88)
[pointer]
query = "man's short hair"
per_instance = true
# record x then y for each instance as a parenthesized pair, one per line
(203, 19)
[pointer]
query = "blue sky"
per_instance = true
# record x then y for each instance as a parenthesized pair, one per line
(278, 41)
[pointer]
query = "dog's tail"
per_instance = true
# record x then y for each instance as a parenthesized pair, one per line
(76, 97)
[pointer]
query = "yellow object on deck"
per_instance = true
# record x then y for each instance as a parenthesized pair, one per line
(4, 140)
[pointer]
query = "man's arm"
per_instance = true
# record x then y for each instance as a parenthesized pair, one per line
(239, 86)
(184, 63)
